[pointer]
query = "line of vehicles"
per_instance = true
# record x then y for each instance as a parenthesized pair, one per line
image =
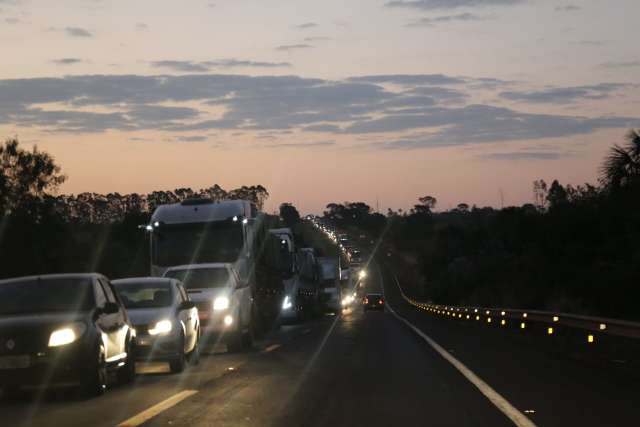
(221, 272)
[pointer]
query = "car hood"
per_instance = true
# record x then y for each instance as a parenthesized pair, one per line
(147, 316)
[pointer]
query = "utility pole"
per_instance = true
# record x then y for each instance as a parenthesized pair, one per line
(501, 198)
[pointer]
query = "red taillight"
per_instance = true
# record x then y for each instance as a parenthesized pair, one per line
(381, 301)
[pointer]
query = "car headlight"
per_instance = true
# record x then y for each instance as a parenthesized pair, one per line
(66, 335)
(161, 328)
(362, 274)
(287, 304)
(221, 303)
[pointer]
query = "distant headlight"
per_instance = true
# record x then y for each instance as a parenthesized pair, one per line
(362, 274)
(286, 304)
(67, 335)
(221, 303)
(161, 328)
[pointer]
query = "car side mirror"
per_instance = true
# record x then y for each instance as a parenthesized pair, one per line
(187, 305)
(110, 308)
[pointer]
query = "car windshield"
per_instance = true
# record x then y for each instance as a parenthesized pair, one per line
(197, 243)
(145, 294)
(46, 295)
(201, 278)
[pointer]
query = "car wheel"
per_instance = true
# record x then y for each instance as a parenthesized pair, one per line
(95, 383)
(178, 363)
(127, 373)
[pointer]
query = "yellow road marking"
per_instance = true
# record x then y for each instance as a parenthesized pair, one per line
(145, 416)
(272, 347)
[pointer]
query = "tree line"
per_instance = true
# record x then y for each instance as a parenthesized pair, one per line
(45, 232)
(573, 248)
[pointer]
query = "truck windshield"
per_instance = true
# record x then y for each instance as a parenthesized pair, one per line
(197, 244)
(46, 295)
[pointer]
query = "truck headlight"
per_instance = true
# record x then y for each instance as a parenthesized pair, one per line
(66, 335)
(220, 303)
(161, 328)
(287, 304)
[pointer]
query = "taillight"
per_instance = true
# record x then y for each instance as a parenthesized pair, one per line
(366, 301)
(381, 301)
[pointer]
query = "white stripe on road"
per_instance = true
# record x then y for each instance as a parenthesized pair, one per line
(518, 418)
(145, 416)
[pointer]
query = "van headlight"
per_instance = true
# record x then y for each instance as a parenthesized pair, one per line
(161, 328)
(220, 303)
(66, 335)
(287, 304)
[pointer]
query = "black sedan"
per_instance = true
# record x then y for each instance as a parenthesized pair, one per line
(66, 329)
(373, 302)
(166, 321)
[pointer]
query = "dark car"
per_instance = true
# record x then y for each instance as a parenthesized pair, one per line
(63, 330)
(166, 321)
(373, 302)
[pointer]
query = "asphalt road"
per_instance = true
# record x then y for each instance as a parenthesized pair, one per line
(360, 369)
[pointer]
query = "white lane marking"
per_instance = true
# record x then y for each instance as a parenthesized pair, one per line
(145, 416)
(272, 347)
(518, 418)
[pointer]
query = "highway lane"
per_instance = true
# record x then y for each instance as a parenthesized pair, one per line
(364, 369)
(564, 384)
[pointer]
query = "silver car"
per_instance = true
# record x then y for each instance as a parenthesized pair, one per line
(165, 319)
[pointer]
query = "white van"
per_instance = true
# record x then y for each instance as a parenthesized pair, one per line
(225, 303)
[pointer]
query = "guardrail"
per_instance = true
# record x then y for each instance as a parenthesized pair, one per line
(524, 318)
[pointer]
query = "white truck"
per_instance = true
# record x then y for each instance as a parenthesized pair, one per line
(330, 295)
(192, 240)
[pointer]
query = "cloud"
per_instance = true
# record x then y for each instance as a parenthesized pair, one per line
(564, 95)
(290, 47)
(591, 42)
(567, 8)
(306, 25)
(410, 79)
(430, 22)
(301, 144)
(192, 138)
(11, 21)
(66, 61)
(620, 64)
(526, 155)
(182, 66)
(435, 115)
(316, 39)
(77, 32)
(449, 4)
(204, 66)
(141, 26)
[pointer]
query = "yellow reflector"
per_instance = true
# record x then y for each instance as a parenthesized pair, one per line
(522, 325)
(590, 339)
(550, 331)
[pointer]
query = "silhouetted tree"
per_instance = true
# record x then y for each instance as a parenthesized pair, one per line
(621, 167)
(26, 176)
(289, 214)
(557, 194)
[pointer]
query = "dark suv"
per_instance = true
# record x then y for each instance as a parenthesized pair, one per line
(63, 329)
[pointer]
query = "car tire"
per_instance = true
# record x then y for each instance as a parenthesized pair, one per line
(127, 373)
(194, 356)
(95, 383)
(177, 364)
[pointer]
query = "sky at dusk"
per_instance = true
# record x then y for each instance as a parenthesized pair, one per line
(322, 101)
